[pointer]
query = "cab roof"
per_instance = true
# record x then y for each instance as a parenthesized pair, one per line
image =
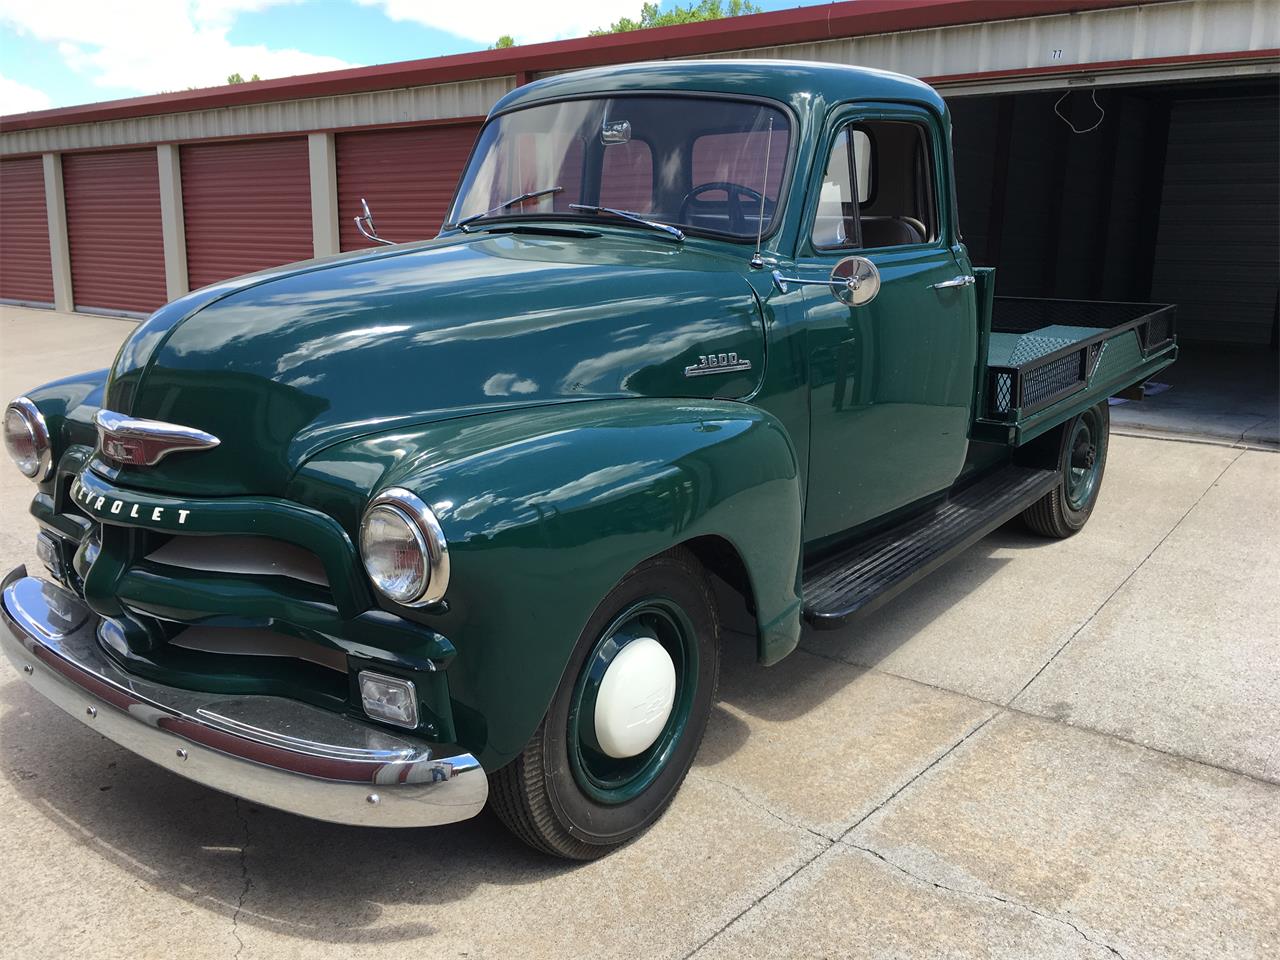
(788, 81)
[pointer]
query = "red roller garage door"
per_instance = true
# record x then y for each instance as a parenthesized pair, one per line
(408, 175)
(246, 206)
(25, 271)
(114, 231)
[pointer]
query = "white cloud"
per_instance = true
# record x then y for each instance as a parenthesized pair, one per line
(17, 97)
(154, 45)
(526, 20)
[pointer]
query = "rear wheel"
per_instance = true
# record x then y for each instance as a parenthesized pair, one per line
(626, 721)
(1082, 458)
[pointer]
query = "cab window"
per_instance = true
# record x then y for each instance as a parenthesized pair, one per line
(878, 189)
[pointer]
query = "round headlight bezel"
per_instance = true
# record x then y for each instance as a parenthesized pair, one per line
(33, 419)
(408, 508)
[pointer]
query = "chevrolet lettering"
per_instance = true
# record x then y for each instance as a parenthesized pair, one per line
(387, 537)
(104, 507)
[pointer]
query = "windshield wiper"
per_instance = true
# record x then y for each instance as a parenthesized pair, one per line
(506, 205)
(674, 232)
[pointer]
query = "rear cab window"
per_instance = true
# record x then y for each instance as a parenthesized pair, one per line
(878, 189)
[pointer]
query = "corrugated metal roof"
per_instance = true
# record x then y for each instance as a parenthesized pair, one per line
(1173, 39)
(798, 25)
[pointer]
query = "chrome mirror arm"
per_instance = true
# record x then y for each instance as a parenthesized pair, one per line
(369, 232)
(782, 282)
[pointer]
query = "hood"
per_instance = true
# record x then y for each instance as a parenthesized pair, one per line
(282, 364)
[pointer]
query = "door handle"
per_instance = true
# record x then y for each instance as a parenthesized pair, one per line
(962, 281)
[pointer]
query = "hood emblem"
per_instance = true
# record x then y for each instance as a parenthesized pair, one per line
(144, 443)
(716, 363)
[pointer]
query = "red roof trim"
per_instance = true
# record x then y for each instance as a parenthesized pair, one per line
(800, 25)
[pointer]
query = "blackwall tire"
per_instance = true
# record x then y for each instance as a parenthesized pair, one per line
(1082, 460)
(563, 794)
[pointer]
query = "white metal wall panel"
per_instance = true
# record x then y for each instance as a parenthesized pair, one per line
(1175, 29)
(445, 101)
(1178, 28)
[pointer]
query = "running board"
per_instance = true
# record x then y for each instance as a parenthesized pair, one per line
(861, 578)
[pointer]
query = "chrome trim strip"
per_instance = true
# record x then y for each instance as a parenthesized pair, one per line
(273, 751)
(173, 437)
(31, 413)
(412, 506)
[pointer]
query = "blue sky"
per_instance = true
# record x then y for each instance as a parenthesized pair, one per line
(56, 53)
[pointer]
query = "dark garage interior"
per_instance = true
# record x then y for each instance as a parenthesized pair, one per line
(1170, 193)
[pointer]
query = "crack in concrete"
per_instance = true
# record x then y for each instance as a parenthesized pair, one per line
(757, 901)
(1002, 708)
(981, 896)
(827, 842)
(763, 807)
(936, 760)
(244, 876)
(1132, 573)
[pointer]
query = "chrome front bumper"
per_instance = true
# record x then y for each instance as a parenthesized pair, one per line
(273, 751)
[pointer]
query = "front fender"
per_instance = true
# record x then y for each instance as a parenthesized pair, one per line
(68, 406)
(545, 510)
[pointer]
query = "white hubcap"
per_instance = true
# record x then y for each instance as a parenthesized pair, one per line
(635, 698)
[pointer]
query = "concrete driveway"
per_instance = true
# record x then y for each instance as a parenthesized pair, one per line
(1065, 749)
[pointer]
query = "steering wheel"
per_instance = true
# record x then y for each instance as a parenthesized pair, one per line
(735, 192)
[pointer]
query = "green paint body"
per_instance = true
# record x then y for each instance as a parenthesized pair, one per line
(530, 386)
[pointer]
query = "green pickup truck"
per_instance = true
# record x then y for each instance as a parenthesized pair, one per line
(384, 537)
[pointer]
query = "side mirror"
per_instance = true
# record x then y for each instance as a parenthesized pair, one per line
(364, 223)
(855, 281)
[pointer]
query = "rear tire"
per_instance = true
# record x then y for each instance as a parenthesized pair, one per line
(564, 794)
(1082, 459)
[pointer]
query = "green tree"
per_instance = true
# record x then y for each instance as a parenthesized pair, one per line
(651, 15)
(504, 41)
(236, 78)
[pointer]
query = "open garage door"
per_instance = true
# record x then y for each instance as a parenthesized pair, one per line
(246, 206)
(1169, 193)
(407, 174)
(26, 274)
(114, 231)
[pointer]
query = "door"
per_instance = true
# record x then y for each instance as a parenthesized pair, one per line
(114, 231)
(246, 206)
(408, 175)
(892, 380)
(26, 272)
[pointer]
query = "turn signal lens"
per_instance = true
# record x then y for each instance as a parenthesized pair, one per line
(389, 699)
(394, 553)
(26, 438)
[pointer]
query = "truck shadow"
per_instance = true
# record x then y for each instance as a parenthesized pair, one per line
(334, 884)
(251, 865)
(801, 683)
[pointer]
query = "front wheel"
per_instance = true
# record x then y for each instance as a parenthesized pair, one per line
(626, 721)
(1082, 458)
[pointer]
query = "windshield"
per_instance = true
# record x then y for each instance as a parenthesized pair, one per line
(700, 163)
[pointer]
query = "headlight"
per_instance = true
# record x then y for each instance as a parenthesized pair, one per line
(403, 549)
(26, 437)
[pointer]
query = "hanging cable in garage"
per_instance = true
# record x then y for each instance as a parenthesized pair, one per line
(1093, 95)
